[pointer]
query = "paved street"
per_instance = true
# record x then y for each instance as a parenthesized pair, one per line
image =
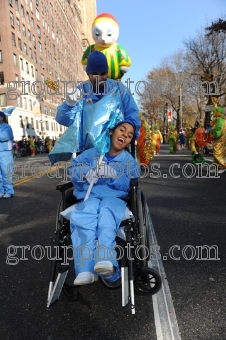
(187, 214)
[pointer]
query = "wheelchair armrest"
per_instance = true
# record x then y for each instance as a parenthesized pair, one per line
(64, 186)
(134, 182)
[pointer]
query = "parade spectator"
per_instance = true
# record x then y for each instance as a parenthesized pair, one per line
(182, 138)
(48, 144)
(6, 158)
(39, 146)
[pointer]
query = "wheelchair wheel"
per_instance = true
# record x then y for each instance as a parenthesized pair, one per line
(147, 281)
(69, 200)
(110, 285)
(143, 229)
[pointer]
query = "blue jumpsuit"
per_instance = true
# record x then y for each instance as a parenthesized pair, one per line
(95, 222)
(6, 158)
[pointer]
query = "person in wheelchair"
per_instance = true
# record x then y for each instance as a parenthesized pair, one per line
(95, 221)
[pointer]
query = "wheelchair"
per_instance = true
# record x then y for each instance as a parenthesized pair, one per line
(136, 276)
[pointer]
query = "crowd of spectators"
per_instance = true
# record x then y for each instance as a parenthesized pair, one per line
(32, 145)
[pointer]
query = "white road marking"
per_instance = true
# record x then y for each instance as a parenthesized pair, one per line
(164, 313)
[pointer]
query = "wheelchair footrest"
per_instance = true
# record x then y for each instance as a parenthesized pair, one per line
(54, 296)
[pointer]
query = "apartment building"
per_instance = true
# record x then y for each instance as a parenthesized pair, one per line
(41, 45)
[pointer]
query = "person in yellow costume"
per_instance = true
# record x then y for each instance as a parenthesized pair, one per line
(157, 139)
(144, 146)
(105, 32)
(172, 138)
(218, 133)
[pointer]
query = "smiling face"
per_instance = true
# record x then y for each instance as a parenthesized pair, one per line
(105, 33)
(121, 137)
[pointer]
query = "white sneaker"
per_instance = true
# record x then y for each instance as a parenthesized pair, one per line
(7, 196)
(104, 268)
(85, 278)
(221, 171)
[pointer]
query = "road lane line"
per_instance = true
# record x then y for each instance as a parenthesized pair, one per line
(164, 314)
(36, 175)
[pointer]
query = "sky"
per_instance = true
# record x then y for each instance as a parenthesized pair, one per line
(151, 30)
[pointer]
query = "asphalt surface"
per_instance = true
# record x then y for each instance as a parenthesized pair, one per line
(187, 213)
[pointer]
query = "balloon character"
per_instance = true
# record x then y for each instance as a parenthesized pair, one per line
(105, 32)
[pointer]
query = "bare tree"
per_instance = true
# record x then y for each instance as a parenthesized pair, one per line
(216, 27)
(208, 53)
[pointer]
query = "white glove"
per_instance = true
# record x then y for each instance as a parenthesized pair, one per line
(72, 96)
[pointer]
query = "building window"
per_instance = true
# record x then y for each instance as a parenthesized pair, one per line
(53, 35)
(37, 125)
(32, 71)
(14, 60)
(21, 64)
(30, 53)
(16, 77)
(16, 4)
(38, 31)
(42, 78)
(35, 57)
(1, 83)
(23, 30)
(27, 68)
(11, 2)
(25, 48)
(27, 17)
(40, 46)
(31, 6)
(30, 104)
(25, 106)
(21, 122)
(11, 18)
(20, 44)
(32, 122)
(32, 22)
(29, 35)
(34, 42)
(45, 110)
(22, 10)
(18, 24)
(47, 126)
(37, 13)
(1, 60)
(13, 39)
(50, 111)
